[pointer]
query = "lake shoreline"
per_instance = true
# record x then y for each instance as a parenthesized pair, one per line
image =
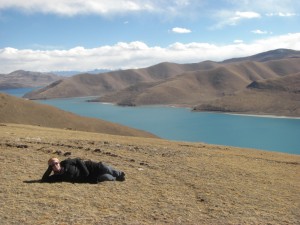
(171, 122)
(190, 108)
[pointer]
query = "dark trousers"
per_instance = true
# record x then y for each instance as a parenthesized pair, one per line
(107, 173)
(100, 172)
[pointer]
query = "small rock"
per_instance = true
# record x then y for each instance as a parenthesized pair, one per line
(97, 150)
(58, 152)
(67, 153)
(22, 146)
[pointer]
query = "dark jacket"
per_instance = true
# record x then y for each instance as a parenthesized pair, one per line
(73, 170)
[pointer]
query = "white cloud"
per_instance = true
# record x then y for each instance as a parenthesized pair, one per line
(70, 8)
(246, 15)
(266, 6)
(181, 30)
(238, 41)
(259, 31)
(282, 14)
(238, 10)
(135, 54)
(229, 18)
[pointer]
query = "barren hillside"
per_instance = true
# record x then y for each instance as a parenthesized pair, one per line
(104, 83)
(166, 182)
(205, 86)
(278, 96)
(96, 85)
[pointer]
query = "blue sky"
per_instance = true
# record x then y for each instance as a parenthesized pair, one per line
(60, 35)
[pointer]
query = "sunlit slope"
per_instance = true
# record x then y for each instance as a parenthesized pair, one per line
(166, 182)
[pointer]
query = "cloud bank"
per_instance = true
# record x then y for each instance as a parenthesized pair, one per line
(135, 54)
(100, 7)
(171, 7)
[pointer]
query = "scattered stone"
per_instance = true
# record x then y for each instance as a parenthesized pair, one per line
(8, 145)
(201, 199)
(67, 153)
(22, 146)
(111, 154)
(58, 152)
(97, 150)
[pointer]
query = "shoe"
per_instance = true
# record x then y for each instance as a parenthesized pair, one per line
(121, 177)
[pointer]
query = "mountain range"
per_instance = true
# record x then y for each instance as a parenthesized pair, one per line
(225, 86)
(21, 79)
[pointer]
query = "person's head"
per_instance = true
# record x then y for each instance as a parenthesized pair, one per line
(54, 163)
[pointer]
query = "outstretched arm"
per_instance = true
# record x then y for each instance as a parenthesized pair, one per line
(47, 173)
(53, 178)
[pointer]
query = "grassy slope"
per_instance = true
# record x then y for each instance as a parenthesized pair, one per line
(167, 182)
(16, 110)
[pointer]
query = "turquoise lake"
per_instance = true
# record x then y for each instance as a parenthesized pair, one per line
(265, 133)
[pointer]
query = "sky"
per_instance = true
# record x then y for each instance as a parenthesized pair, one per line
(83, 35)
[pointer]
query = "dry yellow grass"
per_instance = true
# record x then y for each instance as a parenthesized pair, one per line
(167, 182)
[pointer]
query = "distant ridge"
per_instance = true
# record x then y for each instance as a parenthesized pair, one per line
(266, 56)
(21, 111)
(69, 73)
(22, 78)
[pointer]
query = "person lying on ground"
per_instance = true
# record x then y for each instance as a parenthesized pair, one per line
(79, 171)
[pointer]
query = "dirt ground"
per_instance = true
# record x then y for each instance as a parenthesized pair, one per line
(166, 182)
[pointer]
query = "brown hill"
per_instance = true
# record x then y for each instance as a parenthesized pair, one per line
(20, 111)
(278, 96)
(99, 84)
(104, 83)
(166, 182)
(21, 78)
(201, 86)
(185, 89)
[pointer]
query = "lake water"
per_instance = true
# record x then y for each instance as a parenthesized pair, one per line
(266, 133)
